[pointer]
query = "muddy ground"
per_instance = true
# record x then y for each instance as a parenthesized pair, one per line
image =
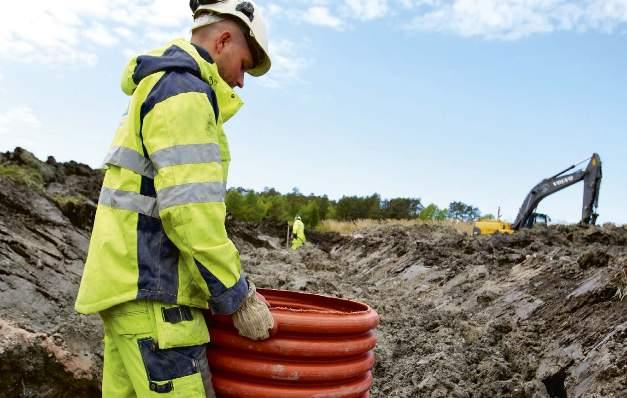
(535, 314)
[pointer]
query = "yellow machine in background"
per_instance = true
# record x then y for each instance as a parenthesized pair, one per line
(490, 227)
(527, 217)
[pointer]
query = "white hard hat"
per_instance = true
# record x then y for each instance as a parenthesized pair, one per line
(298, 218)
(247, 12)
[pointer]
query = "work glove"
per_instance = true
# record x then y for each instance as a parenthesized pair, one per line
(253, 319)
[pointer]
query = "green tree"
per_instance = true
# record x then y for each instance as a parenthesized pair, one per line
(441, 215)
(277, 209)
(311, 214)
(463, 212)
(346, 209)
(324, 206)
(372, 205)
(234, 202)
(248, 205)
(331, 212)
(253, 208)
(429, 213)
(402, 208)
(355, 207)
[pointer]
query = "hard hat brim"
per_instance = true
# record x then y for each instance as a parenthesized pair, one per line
(262, 67)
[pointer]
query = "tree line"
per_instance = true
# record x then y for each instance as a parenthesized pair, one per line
(269, 204)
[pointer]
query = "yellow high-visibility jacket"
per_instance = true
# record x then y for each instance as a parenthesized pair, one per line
(298, 230)
(159, 231)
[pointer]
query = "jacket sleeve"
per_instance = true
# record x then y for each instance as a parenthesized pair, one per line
(181, 137)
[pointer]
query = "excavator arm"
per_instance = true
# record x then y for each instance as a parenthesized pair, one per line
(592, 182)
(592, 186)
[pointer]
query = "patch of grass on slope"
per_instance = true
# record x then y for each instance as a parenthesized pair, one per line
(27, 176)
(349, 227)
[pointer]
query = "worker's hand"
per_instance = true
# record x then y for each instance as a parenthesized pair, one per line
(253, 318)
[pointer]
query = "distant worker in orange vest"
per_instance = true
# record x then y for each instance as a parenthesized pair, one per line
(298, 233)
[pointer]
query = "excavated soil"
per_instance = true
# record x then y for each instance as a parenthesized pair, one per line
(535, 314)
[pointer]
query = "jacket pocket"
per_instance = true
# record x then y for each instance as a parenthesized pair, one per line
(179, 326)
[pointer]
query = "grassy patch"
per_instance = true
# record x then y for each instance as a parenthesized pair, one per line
(349, 227)
(23, 175)
(63, 200)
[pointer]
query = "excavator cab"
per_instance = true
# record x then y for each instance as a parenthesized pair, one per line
(537, 219)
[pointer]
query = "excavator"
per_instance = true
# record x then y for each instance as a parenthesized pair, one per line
(527, 217)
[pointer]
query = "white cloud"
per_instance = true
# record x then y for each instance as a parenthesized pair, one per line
(101, 35)
(605, 15)
(514, 19)
(415, 3)
(367, 9)
(272, 9)
(72, 31)
(54, 32)
(16, 120)
(321, 16)
(489, 19)
(287, 65)
(123, 32)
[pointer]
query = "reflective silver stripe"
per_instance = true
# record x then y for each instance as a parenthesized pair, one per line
(129, 159)
(129, 201)
(186, 154)
(191, 193)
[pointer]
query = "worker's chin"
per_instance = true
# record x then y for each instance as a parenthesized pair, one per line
(229, 81)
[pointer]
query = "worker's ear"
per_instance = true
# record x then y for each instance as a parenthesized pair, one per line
(223, 40)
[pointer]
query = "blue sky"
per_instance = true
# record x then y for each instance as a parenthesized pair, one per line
(439, 99)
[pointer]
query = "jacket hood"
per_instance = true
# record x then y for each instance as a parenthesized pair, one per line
(179, 55)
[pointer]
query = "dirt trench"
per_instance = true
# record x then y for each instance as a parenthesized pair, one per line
(535, 314)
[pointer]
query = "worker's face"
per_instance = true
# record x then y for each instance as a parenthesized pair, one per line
(233, 57)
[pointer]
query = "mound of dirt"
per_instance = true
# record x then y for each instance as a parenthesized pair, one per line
(46, 349)
(535, 314)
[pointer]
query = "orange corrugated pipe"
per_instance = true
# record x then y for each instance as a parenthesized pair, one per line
(321, 348)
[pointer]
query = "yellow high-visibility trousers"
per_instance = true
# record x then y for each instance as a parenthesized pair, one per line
(296, 243)
(155, 350)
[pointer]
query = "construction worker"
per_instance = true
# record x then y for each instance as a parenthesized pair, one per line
(298, 233)
(159, 253)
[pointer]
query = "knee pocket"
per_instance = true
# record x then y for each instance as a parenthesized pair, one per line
(174, 369)
(171, 363)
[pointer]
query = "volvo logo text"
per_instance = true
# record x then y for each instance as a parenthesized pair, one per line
(563, 181)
